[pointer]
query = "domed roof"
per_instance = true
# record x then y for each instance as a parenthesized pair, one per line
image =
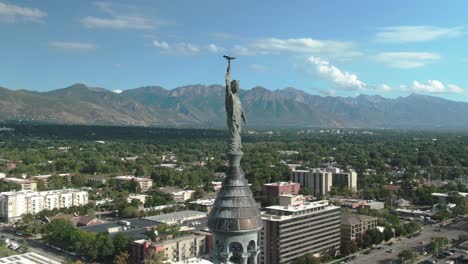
(235, 209)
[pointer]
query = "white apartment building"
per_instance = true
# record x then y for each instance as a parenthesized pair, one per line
(15, 204)
(318, 181)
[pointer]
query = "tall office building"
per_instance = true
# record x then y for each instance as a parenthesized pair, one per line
(318, 181)
(292, 231)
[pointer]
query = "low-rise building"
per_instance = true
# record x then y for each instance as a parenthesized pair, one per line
(374, 205)
(354, 226)
(25, 184)
(276, 189)
(15, 204)
(177, 194)
(143, 184)
(177, 249)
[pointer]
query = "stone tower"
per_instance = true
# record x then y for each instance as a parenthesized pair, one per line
(235, 218)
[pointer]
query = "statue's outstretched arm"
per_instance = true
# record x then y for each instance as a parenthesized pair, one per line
(228, 79)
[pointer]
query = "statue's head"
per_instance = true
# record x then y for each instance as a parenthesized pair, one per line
(234, 86)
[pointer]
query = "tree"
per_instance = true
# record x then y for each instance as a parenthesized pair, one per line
(59, 231)
(307, 259)
(348, 247)
(437, 245)
(121, 242)
(388, 233)
(105, 246)
(156, 258)
(41, 185)
(122, 258)
(407, 256)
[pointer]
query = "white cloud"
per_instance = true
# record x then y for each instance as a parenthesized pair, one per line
(435, 86)
(455, 89)
(257, 67)
(72, 46)
(161, 44)
(180, 48)
(432, 86)
(11, 13)
(120, 17)
(406, 60)
(183, 48)
(343, 80)
(118, 22)
(215, 49)
(406, 34)
(117, 91)
(298, 45)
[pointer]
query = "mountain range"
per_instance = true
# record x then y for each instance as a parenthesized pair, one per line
(203, 106)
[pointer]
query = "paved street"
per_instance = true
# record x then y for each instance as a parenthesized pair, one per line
(37, 246)
(383, 256)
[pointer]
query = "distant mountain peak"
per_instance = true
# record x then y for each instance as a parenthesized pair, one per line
(203, 105)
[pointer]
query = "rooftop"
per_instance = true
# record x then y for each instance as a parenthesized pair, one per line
(279, 213)
(137, 228)
(177, 216)
(353, 219)
(279, 183)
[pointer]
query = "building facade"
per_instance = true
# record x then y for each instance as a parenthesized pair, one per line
(177, 249)
(15, 204)
(320, 181)
(345, 180)
(25, 184)
(317, 181)
(276, 189)
(354, 226)
(290, 232)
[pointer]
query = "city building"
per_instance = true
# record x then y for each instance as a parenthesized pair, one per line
(142, 184)
(25, 184)
(354, 226)
(97, 179)
(278, 188)
(344, 180)
(290, 199)
(317, 181)
(177, 217)
(202, 205)
(15, 204)
(77, 220)
(374, 205)
(292, 231)
(177, 194)
(174, 250)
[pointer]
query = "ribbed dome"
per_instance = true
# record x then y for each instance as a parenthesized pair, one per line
(235, 209)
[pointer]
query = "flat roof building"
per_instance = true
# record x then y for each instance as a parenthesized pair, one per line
(354, 226)
(276, 189)
(292, 231)
(318, 181)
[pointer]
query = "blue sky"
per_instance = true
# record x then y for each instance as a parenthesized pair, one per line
(345, 48)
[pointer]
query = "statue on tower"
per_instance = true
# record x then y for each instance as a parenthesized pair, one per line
(235, 113)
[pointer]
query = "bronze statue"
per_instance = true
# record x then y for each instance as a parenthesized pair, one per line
(235, 113)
